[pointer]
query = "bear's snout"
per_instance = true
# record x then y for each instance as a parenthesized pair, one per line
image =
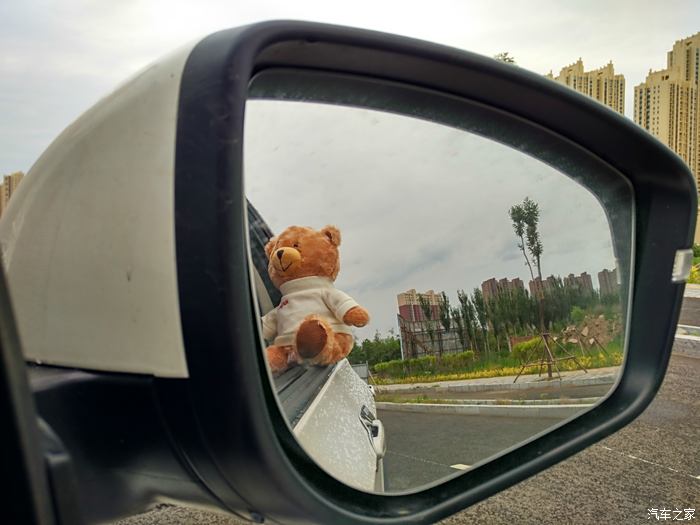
(285, 258)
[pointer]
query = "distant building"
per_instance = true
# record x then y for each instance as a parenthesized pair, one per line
(419, 335)
(492, 287)
(410, 308)
(8, 187)
(582, 282)
(547, 285)
(489, 289)
(608, 283)
(666, 103)
(602, 84)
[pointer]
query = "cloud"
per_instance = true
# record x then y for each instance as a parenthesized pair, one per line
(59, 58)
(420, 205)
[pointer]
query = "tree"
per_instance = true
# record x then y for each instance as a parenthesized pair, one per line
(427, 309)
(445, 317)
(458, 321)
(525, 218)
(531, 211)
(504, 56)
(376, 350)
(469, 317)
(481, 314)
(517, 216)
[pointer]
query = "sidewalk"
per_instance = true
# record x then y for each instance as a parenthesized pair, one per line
(692, 290)
(596, 376)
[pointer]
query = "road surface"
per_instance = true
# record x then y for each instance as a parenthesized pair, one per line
(690, 313)
(553, 391)
(423, 448)
(653, 462)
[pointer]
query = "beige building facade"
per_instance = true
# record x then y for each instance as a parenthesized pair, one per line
(607, 281)
(602, 84)
(492, 288)
(666, 104)
(7, 188)
(410, 308)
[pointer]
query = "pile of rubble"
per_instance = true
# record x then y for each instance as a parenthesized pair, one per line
(592, 331)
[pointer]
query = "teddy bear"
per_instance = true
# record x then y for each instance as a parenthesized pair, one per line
(311, 324)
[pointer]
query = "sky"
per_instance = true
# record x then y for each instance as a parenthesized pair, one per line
(419, 205)
(60, 57)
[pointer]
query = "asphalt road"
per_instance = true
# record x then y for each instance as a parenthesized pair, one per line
(690, 313)
(554, 391)
(653, 462)
(424, 448)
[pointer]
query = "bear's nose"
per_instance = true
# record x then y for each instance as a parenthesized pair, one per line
(280, 253)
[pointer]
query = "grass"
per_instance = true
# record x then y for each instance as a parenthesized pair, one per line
(423, 399)
(590, 361)
(694, 277)
(390, 398)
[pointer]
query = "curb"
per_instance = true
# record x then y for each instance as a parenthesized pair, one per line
(543, 411)
(607, 379)
(688, 345)
(510, 402)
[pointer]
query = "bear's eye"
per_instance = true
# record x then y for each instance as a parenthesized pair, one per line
(295, 245)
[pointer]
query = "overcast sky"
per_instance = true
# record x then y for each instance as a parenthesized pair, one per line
(59, 57)
(419, 205)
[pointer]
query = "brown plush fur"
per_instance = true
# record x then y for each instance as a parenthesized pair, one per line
(304, 252)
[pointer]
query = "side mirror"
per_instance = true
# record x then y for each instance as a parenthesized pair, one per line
(136, 269)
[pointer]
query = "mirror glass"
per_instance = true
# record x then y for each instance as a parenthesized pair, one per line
(444, 298)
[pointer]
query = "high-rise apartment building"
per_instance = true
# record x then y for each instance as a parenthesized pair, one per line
(601, 84)
(492, 287)
(546, 285)
(7, 188)
(582, 282)
(607, 280)
(667, 103)
(410, 308)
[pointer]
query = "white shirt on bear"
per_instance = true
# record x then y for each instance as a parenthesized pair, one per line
(303, 297)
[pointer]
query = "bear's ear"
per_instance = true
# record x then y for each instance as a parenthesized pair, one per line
(333, 234)
(270, 246)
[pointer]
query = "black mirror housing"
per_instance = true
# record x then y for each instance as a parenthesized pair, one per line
(250, 447)
(219, 427)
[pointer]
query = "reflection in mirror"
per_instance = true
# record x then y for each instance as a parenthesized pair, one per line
(447, 298)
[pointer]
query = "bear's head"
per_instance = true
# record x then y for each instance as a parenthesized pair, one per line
(303, 252)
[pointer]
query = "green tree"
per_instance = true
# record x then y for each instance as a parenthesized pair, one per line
(427, 309)
(517, 216)
(458, 321)
(505, 57)
(445, 318)
(531, 211)
(481, 315)
(525, 218)
(468, 314)
(376, 350)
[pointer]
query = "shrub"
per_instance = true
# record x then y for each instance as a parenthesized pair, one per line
(523, 350)
(426, 365)
(694, 274)
(459, 361)
(577, 315)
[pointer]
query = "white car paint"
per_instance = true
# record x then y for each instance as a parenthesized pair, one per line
(331, 431)
(88, 239)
